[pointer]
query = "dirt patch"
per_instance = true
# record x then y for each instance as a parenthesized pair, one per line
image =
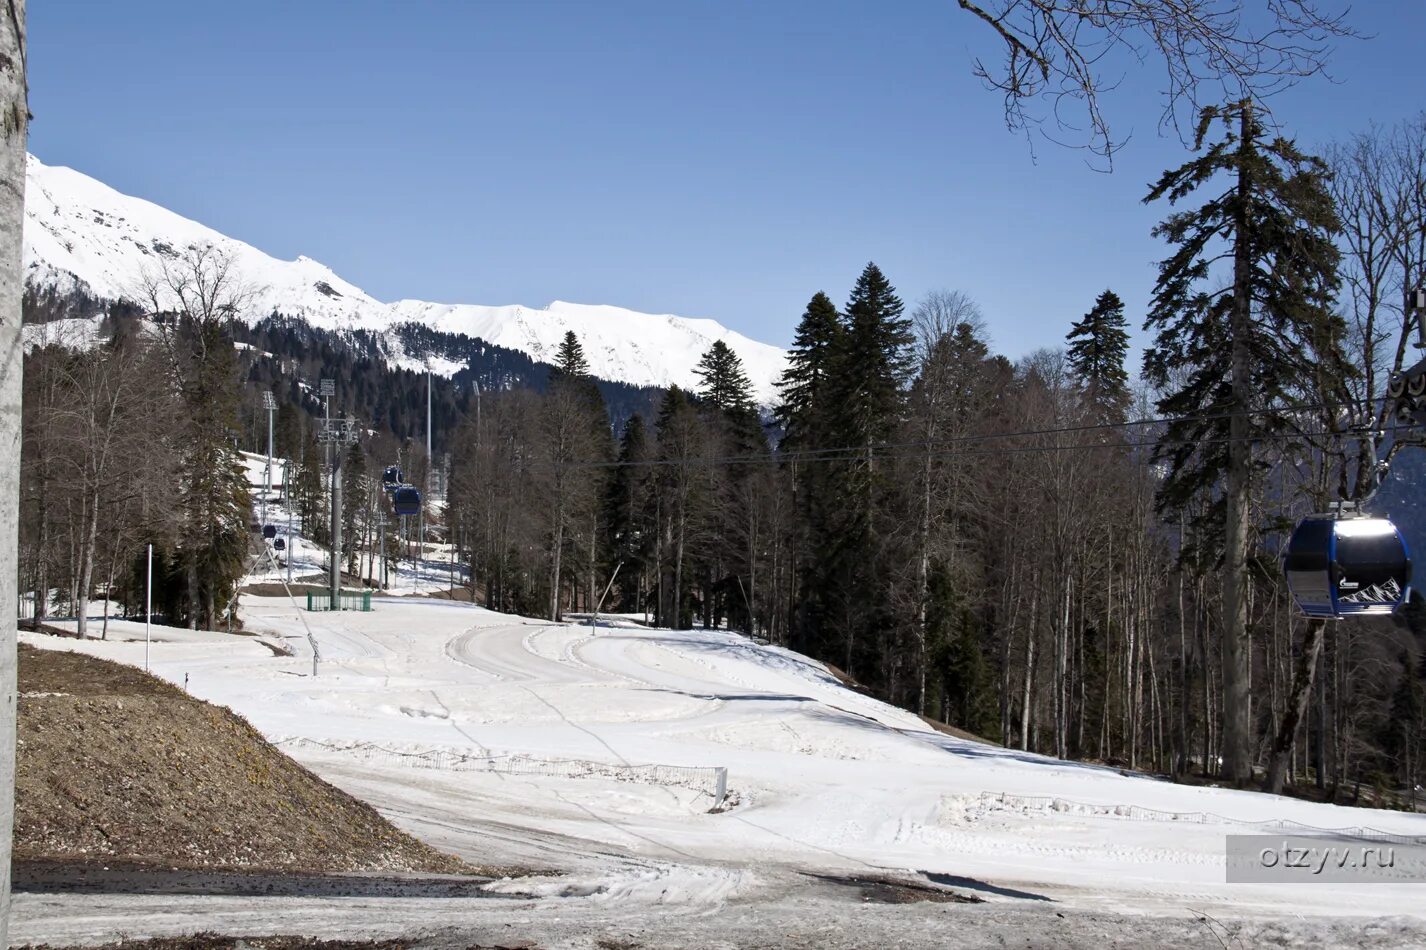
(460, 595)
(886, 890)
(950, 730)
(126, 877)
(211, 941)
(208, 941)
(298, 590)
(116, 765)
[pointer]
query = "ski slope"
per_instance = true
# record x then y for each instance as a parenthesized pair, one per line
(821, 778)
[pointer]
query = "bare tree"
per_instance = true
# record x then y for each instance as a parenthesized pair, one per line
(1379, 188)
(948, 327)
(193, 296)
(1058, 52)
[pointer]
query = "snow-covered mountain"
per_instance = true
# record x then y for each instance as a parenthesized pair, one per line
(80, 233)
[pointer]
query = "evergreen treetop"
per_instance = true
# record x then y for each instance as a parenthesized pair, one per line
(1274, 220)
(1098, 347)
(569, 360)
(874, 360)
(724, 383)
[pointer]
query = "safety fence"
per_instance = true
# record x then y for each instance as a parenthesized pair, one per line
(345, 600)
(1045, 803)
(711, 782)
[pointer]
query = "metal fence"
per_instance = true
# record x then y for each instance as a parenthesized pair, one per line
(346, 600)
(711, 782)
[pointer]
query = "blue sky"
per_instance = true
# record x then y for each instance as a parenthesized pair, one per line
(718, 158)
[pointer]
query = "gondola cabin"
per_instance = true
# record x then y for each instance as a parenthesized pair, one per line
(279, 545)
(1347, 566)
(269, 531)
(406, 501)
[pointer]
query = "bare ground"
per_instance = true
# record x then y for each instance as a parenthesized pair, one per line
(115, 765)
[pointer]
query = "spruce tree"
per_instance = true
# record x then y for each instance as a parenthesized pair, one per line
(867, 390)
(569, 360)
(1098, 346)
(1229, 359)
(724, 384)
(873, 362)
(804, 413)
(804, 387)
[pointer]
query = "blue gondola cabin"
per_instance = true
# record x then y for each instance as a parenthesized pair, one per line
(406, 501)
(1343, 567)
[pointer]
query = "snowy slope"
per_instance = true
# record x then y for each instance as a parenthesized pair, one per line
(80, 232)
(823, 778)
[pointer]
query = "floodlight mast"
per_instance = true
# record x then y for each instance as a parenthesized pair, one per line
(269, 402)
(338, 434)
(327, 391)
(287, 498)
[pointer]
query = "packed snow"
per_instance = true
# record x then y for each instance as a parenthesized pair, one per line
(590, 752)
(820, 778)
(82, 233)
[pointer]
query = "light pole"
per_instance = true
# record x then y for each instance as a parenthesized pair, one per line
(287, 500)
(337, 434)
(269, 402)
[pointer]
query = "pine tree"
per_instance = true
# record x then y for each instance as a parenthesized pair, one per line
(1098, 346)
(1228, 358)
(724, 384)
(804, 412)
(867, 396)
(569, 360)
(873, 362)
(804, 386)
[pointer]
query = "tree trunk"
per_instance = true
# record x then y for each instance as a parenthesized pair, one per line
(1028, 694)
(678, 573)
(191, 562)
(1296, 705)
(1237, 741)
(14, 119)
(555, 565)
(88, 543)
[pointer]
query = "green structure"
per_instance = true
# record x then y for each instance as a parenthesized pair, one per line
(318, 600)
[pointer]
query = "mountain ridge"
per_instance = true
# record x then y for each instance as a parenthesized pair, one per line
(82, 234)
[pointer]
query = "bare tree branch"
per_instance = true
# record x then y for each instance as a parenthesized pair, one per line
(1054, 52)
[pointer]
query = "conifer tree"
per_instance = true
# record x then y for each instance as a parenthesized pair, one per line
(873, 362)
(869, 371)
(569, 360)
(724, 384)
(804, 412)
(804, 385)
(1227, 359)
(1098, 346)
